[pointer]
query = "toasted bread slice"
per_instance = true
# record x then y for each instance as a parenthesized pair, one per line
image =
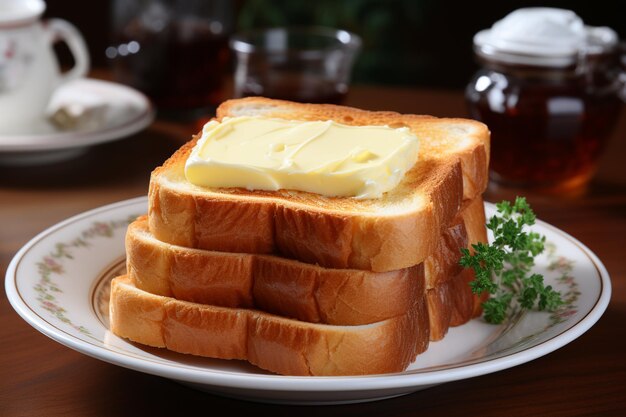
(273, 343)
(397, 231)
(269, 283)
(291, 288)
(452, 303)
(467, 229)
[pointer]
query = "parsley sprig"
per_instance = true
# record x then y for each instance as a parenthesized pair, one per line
(503, 268)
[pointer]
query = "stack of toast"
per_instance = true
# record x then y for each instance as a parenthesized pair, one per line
(301, 284)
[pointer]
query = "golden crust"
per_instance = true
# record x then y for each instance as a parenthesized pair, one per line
(376, 234)
(274, 343)
(292, 347)
(291, 288)
(452, 303)
(281, 286)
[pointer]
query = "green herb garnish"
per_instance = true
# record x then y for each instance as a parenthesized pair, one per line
(503, 269)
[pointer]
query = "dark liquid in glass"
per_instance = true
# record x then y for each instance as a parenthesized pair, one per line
(544, 132)
(179, 67)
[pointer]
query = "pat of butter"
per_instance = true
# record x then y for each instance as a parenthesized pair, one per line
(322, 157)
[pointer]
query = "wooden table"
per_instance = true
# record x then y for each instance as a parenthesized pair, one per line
(41, 377)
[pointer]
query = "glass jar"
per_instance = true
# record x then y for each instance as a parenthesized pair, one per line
(175, 51)
(550, 114)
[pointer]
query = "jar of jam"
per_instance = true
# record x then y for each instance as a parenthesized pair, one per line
(549, 90)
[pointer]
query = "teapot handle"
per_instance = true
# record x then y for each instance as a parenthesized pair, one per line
(62, 30)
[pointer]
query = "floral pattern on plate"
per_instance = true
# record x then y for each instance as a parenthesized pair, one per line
(52, 264)
(58, 280)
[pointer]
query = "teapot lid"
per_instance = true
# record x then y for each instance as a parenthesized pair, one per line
(542, 36)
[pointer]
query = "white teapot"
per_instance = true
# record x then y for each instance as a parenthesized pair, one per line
(29, 70)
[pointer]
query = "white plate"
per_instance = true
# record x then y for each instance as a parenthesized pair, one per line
(127, 111)
(57, 283)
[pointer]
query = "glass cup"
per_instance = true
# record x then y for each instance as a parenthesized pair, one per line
(305, 64)
(174, 51)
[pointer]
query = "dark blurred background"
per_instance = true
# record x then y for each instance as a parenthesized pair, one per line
(426, 43)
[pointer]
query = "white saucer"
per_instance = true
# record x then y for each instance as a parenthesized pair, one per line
(127, 111)
(58, 282)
